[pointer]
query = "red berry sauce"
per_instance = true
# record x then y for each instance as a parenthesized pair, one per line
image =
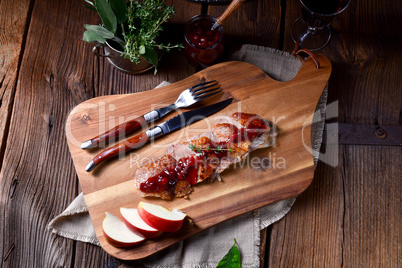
(200, 34)
(206, 157)
(203, 46)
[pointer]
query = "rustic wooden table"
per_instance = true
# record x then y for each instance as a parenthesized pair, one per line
(349, 216)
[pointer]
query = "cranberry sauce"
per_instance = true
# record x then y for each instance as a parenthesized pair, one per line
(202, 45)
(160, 182)
(200, 33)
(253, 129)
(186, 169)
(207, 157)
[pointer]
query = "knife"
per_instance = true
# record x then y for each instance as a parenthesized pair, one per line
(197, 92)
(164, 128)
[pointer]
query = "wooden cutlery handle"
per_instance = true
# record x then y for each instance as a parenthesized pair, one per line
(121, 148)
(119, 132)
(229, 11)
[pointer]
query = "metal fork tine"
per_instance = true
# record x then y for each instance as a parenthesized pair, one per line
(204, 88)
(207, 96)
(202, 84)
(204, 95)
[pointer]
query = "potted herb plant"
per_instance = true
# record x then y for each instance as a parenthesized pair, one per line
(130, 31)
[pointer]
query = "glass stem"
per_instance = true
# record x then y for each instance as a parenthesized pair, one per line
(310, 30)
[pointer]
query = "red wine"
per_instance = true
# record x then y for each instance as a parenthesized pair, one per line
(319, 13)
(325, 7)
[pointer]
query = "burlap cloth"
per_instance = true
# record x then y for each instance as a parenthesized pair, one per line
(208, 247)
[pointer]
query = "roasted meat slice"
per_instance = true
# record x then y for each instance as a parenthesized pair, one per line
(153, 179)
(203, 157)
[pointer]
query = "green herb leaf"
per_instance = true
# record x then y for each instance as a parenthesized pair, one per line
(192, 147)
(91, 8)
(142, 50)
(144, 23)
(99, 30)
(136, 25)
(151, 56)
(231, 259)
(106, 14)
(119, 8)
(92, 37)
(89, 2)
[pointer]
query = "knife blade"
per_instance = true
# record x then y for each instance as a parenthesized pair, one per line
(164, 128)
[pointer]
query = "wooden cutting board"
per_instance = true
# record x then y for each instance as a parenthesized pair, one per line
(255, 183)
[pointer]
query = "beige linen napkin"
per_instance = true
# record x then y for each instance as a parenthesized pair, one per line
(208, 247)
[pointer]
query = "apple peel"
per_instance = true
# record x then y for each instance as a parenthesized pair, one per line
(118, 234)
(136, 224)
(161, 218)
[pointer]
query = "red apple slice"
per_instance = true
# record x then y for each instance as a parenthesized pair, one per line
(117, 233)
(161, 218)
(134, 222)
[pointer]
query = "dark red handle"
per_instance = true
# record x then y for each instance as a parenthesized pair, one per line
(119, 132)
(121, 148)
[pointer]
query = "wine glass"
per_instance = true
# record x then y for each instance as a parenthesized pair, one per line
(312, 29)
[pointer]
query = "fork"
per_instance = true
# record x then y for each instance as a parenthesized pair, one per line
(187, 98)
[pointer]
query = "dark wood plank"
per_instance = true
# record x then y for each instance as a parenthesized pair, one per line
(349, 216)
(14, 18)
(372, 217)
(263, 245)
(36, 158)
(255, 22)
(311, 233)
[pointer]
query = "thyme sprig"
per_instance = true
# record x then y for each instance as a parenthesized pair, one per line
(198, 149)
(145, 21)
(135, 25)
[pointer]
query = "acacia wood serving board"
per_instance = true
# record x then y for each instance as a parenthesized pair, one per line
(254, 183)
